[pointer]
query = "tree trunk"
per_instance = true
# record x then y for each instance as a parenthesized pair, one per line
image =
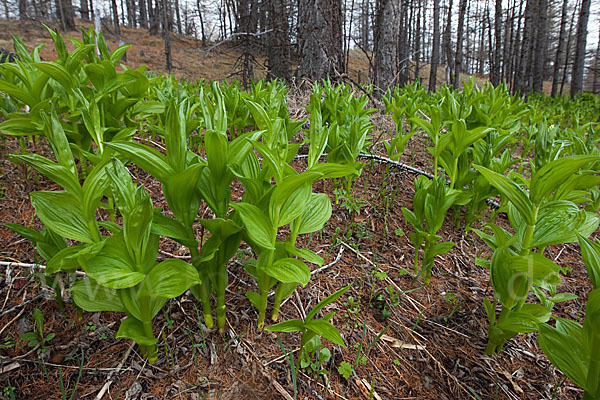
(568, 48)
(417, 40)
(178, 14)
(403, 42)
(199, 6)
(143, 15)
(448, 44)
(541, 44)
(164, 12)
(65, 12)
(320, 38)
(115, 17)
(560, 48)
(495, 72)
(278, 48)
(387, 15)
(596, 66)
(84, 10)
(459, 43)
(579, 62)
(22, 9)
(436, 45)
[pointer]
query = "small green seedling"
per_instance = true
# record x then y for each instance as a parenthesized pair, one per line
(37, 338)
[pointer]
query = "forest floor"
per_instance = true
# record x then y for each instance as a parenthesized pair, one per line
(432, 347)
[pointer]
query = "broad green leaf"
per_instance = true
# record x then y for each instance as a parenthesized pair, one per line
(560, 297)
(326, 330)
(556, 223)
(511, 191)
(19, 126)
(553, 174)
(216, 153)
(93, 297)
(257, 225)
(133, 329)
(590, 251)
(315, 214)
(147, 158)
(221, 228)
(57, 72)
(306, 254)
(65, 260)
(61, 212)
(443, 248)
(57, 173)
(169, 227)
(326, 301)
(291, 325)
(171, 278)
(182, 194)
(94, 188)
(289, 270)
(509, 286)
(289, 198)
(566, 354)
(111, 266)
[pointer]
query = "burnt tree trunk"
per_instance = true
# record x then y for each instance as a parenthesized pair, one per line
(320, 39)
(435, 52)
(386, 36)
(579, 61)
(560, 48)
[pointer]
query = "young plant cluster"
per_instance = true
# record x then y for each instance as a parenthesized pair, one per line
(106, 224)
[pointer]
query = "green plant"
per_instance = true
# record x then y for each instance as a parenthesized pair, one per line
(312, 327)
(431, 201)
(314, 357)
(575, 348)
(543, 216)
(61, 384)
(37, 337)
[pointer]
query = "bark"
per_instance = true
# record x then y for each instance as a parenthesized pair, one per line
(178, 14)
(459, 42)
(115, 12)
(579, 62)
(320, 39)
(497, 61)
(22, 9)
(568, 48)
(164, 12)
(84, 10)
(436, 45)
(279, 46)
(199, 6)
(417, 40)
(154, 14)
(448, 43)
(66, 14)
(560, 48)
(386, 36)
(143, 15)
(541, 44)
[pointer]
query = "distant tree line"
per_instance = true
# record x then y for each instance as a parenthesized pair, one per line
(523, 43)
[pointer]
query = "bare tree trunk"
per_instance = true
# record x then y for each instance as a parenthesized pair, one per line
(320, 38)
(143, 15)
(65, 11)
(560, 48)
(568, 48)
(84, 10)
(403, 42)
(387, 15)
(164, 12)
(115, 16)
(22, 9)
(199, 6)
(278, 48)
(417, 40)
(579, 62)
(154, 13)
(541, 44)
(459, 43)
(596, 66)
(178, 14)
(448, 44)
(495, 72)
(436, 45)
